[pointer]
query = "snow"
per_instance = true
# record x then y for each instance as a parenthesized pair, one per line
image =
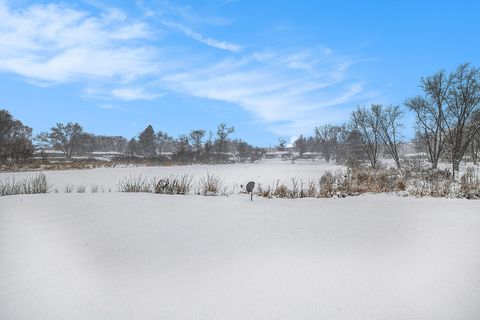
(265, 173)
(147, 256)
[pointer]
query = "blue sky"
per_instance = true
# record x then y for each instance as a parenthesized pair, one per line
(270, 68)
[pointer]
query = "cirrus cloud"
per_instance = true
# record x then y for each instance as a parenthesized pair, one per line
(117, 57)
(285, 91)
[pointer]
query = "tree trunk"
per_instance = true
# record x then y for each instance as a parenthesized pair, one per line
(455, 167)
(397, 161)
(327, 157)
(474, 152)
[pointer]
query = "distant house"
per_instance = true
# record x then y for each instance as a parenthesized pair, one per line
(277, 154)
(168, 155)
(311, 155)
(105, 154)
(48, 154)
(417, 155)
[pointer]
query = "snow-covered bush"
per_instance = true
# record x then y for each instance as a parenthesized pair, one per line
(360, 180)
(470, 184)
(429, 182)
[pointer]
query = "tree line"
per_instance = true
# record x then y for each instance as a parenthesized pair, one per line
(370, 132)
(447, 124)
(447, 127)
(194, 147)
(17, 143)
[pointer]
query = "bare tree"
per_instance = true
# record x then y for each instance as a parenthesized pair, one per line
(367, 124)
(108, 143)
(350, 150)
(475, 148)
(87, 143)
(282, 143)
(132, 147)
(244, 150)
(462, 119)
(165, 143)
(196, 137)
(430, 113)
(208, 147)
(146, 142)
(66, 138)
(183, 150)
(300, 145)
(222, 137)
(389, 128)
(419, 143)
(326, 138)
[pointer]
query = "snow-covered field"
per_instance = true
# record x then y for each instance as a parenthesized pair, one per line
(266, 173)
(147, 256)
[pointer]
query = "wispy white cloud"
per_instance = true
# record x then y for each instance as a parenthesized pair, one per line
(199, 15)
(284, 91)
(289, 91)
(106, 106)
(129, 94)
(182, 18)
(56, 44)
(199, 37)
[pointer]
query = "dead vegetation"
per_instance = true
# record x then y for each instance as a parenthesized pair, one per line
(31, 185)
(80, 164)
(55, 164)
(352, 182)
(408, 181)
(211, 185)
(341, 183)
(470, 184)
(174, 185)
(135, 184)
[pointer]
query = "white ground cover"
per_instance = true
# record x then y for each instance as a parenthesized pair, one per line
(148, 256)
(265, 173)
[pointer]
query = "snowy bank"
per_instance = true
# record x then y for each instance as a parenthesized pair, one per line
(265, 173)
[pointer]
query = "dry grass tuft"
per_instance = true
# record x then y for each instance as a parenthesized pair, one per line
(174, 185)
(135, 184)
(211, 185)
(31, 185)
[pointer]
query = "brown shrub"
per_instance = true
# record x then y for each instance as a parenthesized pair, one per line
(262, 192)
(470, 184)
(174, 185)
